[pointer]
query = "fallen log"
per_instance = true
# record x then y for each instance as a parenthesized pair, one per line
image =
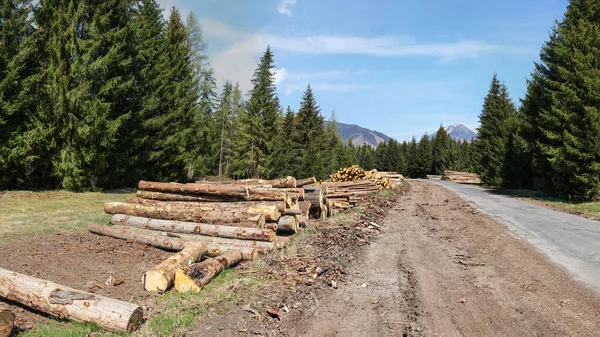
(197, 188)
(68, 303)
(287, 182)
(143, 236)
(255, 234)
(306, 181)
(231, 217)
(151, 195)
(198, 275)
(287, 224)
(7, 322)
(161, 276)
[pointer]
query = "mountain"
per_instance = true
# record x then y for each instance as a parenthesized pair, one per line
(461, 132)
(360, 135)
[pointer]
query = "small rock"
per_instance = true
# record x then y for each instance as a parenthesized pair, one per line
(462, 300)
(364, 285)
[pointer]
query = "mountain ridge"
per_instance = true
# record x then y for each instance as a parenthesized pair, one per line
(360, 135)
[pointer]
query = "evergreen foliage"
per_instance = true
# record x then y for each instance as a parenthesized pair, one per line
(310, 137)
(442, 152)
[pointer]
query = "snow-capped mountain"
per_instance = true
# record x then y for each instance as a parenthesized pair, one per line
(461, 132)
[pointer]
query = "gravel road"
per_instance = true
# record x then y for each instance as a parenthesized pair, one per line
(570, 241)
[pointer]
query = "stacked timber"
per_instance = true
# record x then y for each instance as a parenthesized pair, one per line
(461, 177)
(345, 195)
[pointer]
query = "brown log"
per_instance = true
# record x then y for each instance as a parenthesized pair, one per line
(183, 197)
(287, 182)
(161, 276)
(287, 224)
(139, 235)
(231, 217)
(306, 181)
(196, 276)
(197, 188)
(305, 207)
(68, 303)
(7, 322)
(255, 234)
(272, 226)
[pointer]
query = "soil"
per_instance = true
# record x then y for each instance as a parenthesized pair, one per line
(82, 261)
(438, 268)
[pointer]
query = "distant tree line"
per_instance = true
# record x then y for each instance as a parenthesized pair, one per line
(99, 94)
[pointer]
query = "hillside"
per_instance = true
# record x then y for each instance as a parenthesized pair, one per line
(360, 135)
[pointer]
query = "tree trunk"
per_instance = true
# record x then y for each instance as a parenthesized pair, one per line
(161, 276)
(287, 224)
(140, 235)
(7, 322)
(254, 234)
(231, 217)
(197, 188)
(307, 181)
(287, 182)
(196, 276)
(68, 303)
(271, 212)
(183, 197)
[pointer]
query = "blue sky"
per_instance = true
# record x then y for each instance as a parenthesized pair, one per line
(399, 67)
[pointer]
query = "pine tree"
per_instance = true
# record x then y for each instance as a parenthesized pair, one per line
(350, 154)
(366, 157)
(311, 135)
(495, 119)
(413, 166)
(441, 151)
(424, 157)
(208, 123)
(336, 156)
(225, 119)
(382, 162)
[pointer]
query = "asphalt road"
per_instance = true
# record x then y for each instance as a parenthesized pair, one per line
(570, 241)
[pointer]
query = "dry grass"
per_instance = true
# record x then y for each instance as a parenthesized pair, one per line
(28, 213)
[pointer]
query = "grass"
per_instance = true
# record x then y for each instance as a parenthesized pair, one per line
(25, 213)
(591, 209)
(29, 213)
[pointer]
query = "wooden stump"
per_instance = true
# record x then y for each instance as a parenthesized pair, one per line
(287, 224)
(68, 303)
(195, 276)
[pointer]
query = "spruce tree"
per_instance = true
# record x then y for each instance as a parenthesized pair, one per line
(413, 164)
(336, 156)
(225, 121)
(495, 119)
(441, 151)
(310, 137)
(424, 157)
(350, 154)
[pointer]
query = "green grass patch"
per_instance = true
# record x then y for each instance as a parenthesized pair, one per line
(28, 213)
(68, 329)
(388, 193)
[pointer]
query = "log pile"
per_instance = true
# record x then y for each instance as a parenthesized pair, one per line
(461, 177)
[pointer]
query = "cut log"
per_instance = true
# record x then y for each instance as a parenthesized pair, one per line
(197, 188)
(272, 226)
(183, 197)
(196, 276)
(254, 234)
(271, 212)
(287, 182)
(143, 236)
(287, 224)
(314, 194)
(68, 303)
(307, 181)
(7, 322)
(231, 217)
(161, 276)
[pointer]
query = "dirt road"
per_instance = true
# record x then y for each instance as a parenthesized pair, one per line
(441, 268)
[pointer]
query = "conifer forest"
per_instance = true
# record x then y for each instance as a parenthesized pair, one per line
(98, 95)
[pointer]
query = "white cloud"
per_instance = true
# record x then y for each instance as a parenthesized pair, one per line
(288, 92)
(234, 54)
(284, 7)
(280, 75)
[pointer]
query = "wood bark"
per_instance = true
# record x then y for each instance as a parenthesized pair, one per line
(272, 226)
(143, 236)
(254, 234)
(7, 322)
(271, 212)
(314, 194)
(231, 217)
(183, 197)
(196, 276)
(287, 224)
(306, 181)
(287, 182)
(68, 303)
(161, 276)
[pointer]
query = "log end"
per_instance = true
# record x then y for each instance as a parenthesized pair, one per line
(184, 283)
(155, 281)
(249, 254)
(135, 321)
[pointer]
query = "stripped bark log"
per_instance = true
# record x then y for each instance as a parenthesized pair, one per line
(143, 236)
(287, 224)
(68, 303)
(306, 181)
(196, 276)
(183, 197)
(194, 228)
(231, 217)
(161, 276)
(7, 322)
